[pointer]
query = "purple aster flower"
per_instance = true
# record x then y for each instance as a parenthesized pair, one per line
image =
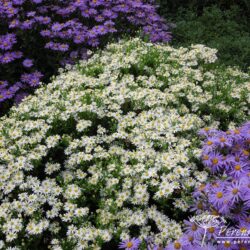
(95, 3)
(217, 196)
(88, 12)
(131, 244)
(180, 244)
(3, 97)
(210, 144)
(3, 84)
(227, 245)
(192, 229)
(99, 18)
(198, 206)
(208, 246)
(80, 3)
(63, 47)
(205, 131)
(27, 24)
(14, 23)
(234, 191)
(31, 14)
(121, 8)
(93, 42)
(18, 2)
(239, 169)
(9, 93)
(7, 58)
(43, 19)
(216, 161)
(56, 27)
(245, 131)
(74, 54)
(33, 79)
(45, 33)
(109, 14)
(7, 41)
(79, 38)
(20, 96)
(14, 88)
(37, 1)
(28, 63)
(206, 159)
(240, 213)
(235, 135)
(110, 26)
(224, 140)
(237, 157)
(17, 54)
(212, 232)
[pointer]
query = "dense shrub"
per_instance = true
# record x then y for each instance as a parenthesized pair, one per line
(198, 6)
(108, 149)
(37, 36)
(227, 31)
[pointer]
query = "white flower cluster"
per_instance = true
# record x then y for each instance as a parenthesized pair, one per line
(108, 149)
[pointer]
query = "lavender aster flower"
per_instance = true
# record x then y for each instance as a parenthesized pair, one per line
(28, 63)
(132, 244)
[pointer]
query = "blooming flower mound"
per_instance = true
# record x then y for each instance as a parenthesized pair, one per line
(107, 150)
(37, 36)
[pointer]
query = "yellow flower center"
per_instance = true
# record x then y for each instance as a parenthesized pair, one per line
(214, 212)
(200, 205)
(211, 230)
(177, 245)
(215, 160)
(243, 229)
(246, 152)
(235, 190)
(209, 143)
(205, 157)
(194, 227)
(242, 248)
(237, 167)
(219, 195)
(227, 244)
(129, 244)
(222, 139)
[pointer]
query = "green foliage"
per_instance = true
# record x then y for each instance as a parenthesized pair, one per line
(227, 31)
(171, 6)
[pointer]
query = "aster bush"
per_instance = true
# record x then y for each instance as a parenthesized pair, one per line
(38, 36)
(227, 194)
(109, 149)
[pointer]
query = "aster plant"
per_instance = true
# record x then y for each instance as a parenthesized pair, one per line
(108, 150)
(38, 36)
(227, 194)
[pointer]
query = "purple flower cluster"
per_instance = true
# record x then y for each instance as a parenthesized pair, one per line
(227, 195)
(41, 35)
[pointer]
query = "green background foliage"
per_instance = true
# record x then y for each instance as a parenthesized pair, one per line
(218, 24)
